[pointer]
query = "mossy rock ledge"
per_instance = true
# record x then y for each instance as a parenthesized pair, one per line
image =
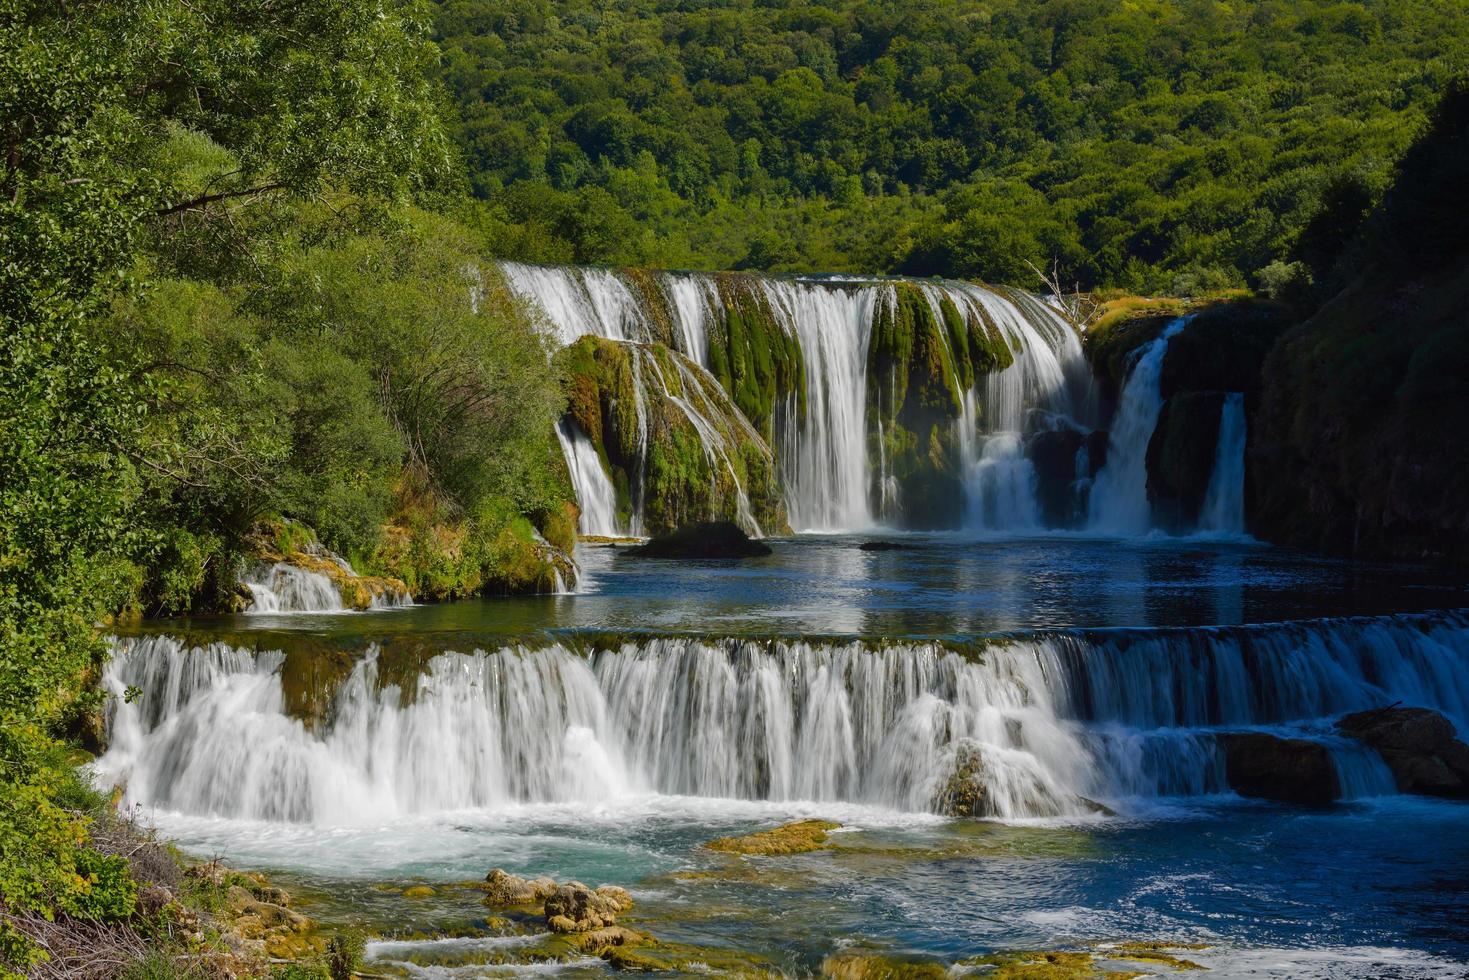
(672, 442)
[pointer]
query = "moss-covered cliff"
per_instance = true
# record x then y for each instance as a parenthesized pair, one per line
(672, 441)
(923, 355)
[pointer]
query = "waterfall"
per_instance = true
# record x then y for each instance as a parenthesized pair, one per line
(1224, 502)
(823, 456)
(1000, 487)
(594, 491)
(1053, 719)
(823, 448)
(1119, 496)
(283, 587)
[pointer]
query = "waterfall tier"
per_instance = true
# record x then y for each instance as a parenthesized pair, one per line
(876, 396)
(1044, 722)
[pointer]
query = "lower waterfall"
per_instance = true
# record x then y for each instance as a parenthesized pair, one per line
(1054, 720)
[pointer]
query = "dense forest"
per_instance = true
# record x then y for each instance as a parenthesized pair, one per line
(1156, 146)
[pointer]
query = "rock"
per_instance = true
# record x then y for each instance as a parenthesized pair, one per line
(574, 907)
(790, 838)
(1287, 770)
(418, 891)
(884, 546)
(153, 899)
(1181, 457)
(1420, 746)
(1053, 454)
(964, 794)
(504, 888)
(712, 539)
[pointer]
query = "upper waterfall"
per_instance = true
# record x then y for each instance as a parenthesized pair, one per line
(864, 430)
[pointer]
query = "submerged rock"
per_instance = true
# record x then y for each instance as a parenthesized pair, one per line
(884, 546)
(864, 965)
(1419, 746)
(790, 838)
(711, 539)
(1287, 770)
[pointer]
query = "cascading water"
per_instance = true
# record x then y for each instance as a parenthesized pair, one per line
(594, 491)
(281, 587)
(1224, 501)
(1119, 495)
(1054, 720)
(825, 462)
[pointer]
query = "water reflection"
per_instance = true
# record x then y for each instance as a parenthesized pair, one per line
(934, 586)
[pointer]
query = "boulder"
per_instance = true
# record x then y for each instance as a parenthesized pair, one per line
(1420, 746)
(504, 888)
(711, 539)
(574, 907)
(1053, 454)
(1287, 770)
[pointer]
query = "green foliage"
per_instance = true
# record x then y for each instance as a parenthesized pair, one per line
(1364, 404)
(132, 124)
(344, 953)
(1152, 146)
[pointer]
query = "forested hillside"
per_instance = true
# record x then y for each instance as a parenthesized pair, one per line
(1157, 145)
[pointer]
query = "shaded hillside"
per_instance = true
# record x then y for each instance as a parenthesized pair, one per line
(1362, 446)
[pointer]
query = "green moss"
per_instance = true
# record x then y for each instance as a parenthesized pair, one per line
(753, 357)
(661, 457)
(791, 838)
(862, 965)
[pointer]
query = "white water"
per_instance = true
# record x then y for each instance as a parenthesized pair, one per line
(282, 587)
(1119, 495)
(1055, 719)
(594, 490)
(1224, 502)
(827, 474)
(1000, 487)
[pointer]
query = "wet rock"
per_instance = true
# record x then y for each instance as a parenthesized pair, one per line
(504, 888)
(1181, 456)
(790, 838)
(710, 539)
(964, 793)
(574, 907)
(1053, 454)
(1420, 746)
(1287, 770)
(884, 546)
(418, 891)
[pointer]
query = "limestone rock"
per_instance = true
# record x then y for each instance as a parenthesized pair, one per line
(574, 907)
(1420, 746)
(1287, 770)
(504, 888)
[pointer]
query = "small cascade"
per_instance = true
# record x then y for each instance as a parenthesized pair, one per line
(1360, 772)
(283, 587)
(1000, 487)
(1041, 723)
(1119, 494)
(581, 300)
(594, 491)
(1224, 502)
